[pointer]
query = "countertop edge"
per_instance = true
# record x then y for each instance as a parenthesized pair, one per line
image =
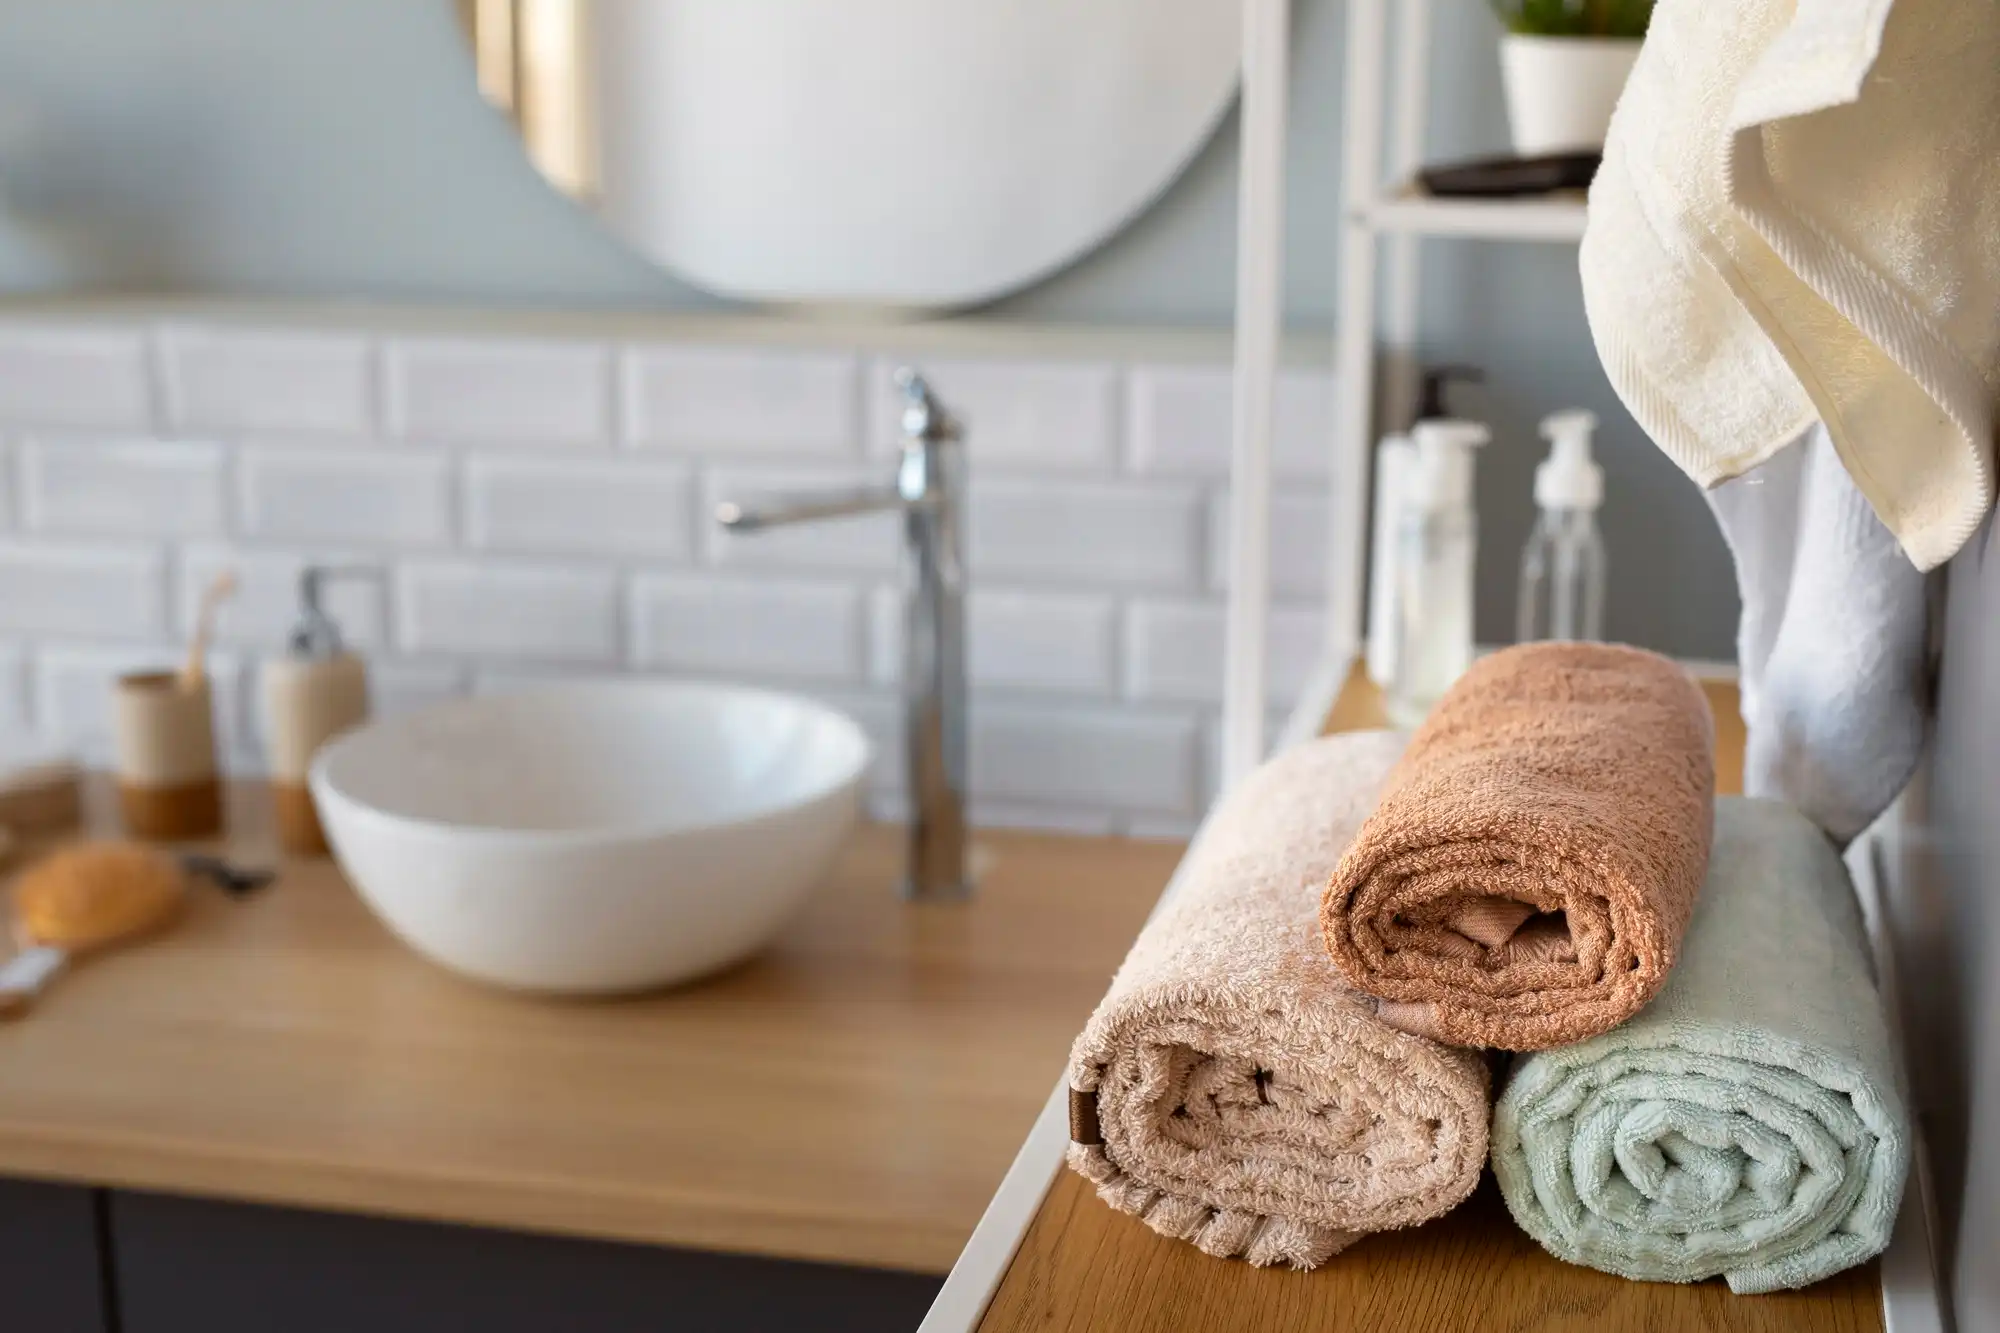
(523, 1205)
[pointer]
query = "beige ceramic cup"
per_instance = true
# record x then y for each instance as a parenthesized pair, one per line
(164, 734)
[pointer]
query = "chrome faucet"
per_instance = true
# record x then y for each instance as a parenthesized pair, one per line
(929, 491)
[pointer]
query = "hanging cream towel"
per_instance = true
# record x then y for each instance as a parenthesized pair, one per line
(1798, 217)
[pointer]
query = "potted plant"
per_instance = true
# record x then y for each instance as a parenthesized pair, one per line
(1563, 64)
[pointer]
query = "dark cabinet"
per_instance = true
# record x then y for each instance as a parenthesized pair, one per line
(191, 1266)
(52, 1279)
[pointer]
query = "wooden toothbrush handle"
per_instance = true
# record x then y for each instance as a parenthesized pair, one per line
(23, 976)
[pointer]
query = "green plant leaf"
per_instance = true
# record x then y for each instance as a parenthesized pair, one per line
(1575, 18)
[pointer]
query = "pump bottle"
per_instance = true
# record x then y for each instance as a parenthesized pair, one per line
(1436, 543)
(317, 690)
(1395, 459)
(1562, 566)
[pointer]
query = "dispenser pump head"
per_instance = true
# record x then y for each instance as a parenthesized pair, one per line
(315, 635)
(1569, 478)
(1442, 478)
(1437, 382)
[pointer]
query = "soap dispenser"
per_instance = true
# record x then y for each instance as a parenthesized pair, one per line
(1436, 541)
(1395, 461)
(1562, 567)
(314, 692)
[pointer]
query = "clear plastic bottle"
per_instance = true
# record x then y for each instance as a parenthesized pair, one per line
(1437, 538)
(1562, 566)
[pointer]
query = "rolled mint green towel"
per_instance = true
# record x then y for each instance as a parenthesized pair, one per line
(1749, 1122)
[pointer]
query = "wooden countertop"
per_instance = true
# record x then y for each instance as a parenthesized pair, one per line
(853, 1096)
(1083, 1266)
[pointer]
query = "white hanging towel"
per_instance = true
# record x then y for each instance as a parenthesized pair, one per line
(1831, 647)
(1798, 218)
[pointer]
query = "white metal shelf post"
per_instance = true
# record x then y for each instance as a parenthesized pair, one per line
(1380, 203)
(1354, 334)
(1260, 314)
(1386, 206)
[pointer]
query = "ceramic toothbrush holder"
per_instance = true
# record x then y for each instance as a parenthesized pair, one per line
(164, 733)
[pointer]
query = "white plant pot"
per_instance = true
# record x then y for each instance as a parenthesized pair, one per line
(1561, 90)
(909, 154)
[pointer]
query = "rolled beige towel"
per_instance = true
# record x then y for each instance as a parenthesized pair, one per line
(1534, 861)
(1230, 1090)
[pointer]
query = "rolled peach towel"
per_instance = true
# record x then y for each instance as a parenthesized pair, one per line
(1533, 863)
(1230, 1091)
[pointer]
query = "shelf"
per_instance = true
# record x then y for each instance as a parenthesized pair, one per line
(1085, 1268)
(1408, 210)
(977, 335)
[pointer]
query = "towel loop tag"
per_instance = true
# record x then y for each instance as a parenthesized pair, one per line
(1083, 1126)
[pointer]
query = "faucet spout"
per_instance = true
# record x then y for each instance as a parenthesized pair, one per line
(929, 492)
(779, 511)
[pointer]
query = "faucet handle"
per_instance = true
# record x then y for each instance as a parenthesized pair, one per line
(925, 419)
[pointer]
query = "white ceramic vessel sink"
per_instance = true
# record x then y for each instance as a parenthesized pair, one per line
(592, 838)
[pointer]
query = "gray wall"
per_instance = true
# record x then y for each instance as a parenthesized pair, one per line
(336, 148)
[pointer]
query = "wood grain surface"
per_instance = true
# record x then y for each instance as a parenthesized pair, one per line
(1085, 1268)
(853, 1095)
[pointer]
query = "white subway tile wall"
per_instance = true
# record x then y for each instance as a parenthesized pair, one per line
(539, 509)
(346, 495)
(115, 590)
(223, 380)
(1049, 530)
(509, 391)
(148, 488)
(15, 714)
(703, 399)
(1032, 416)
(1299, 547)
(1181, 420)
(1063, 643)
(1173, 650)
(551, 613)
(541, 506)
(74, 374)
(689, 624)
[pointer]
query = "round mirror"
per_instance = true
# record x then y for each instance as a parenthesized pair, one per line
(907, 154)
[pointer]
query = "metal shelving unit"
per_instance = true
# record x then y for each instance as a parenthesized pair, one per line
(1383, 218)
(1408, 211)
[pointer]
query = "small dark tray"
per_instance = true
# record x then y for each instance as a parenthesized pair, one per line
(1510, 177)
